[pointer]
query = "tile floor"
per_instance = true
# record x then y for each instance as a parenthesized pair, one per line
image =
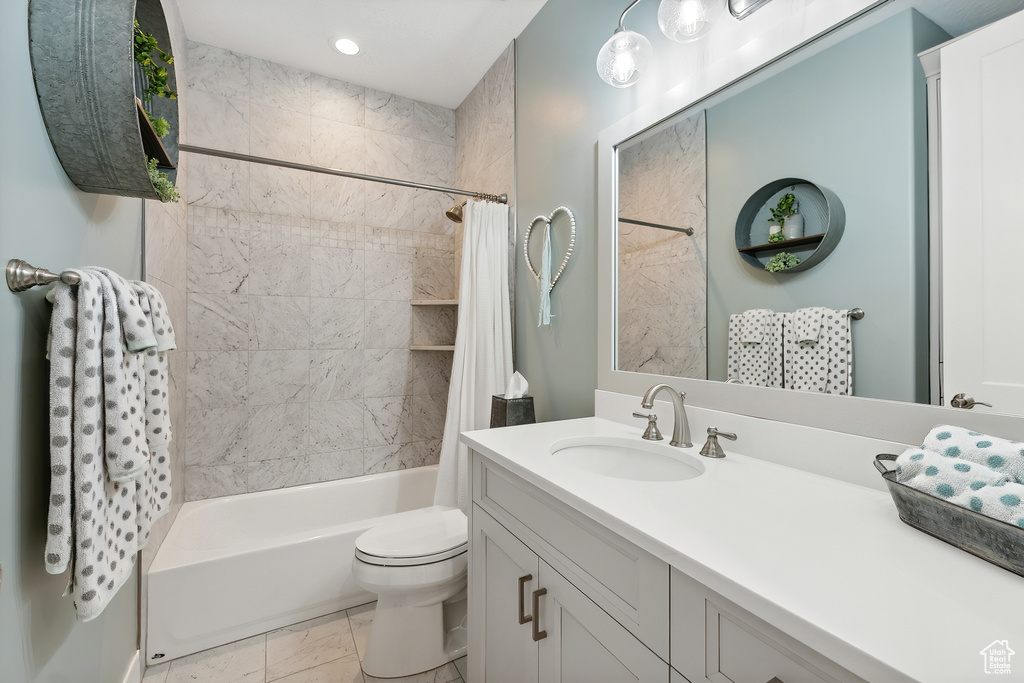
(324, 650)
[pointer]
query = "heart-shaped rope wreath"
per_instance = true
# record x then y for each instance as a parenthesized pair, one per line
(568, 253)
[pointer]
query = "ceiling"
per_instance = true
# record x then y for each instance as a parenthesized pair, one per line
(429, 50)
(434, 51)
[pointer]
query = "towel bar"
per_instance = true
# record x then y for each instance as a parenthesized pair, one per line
(22, 276)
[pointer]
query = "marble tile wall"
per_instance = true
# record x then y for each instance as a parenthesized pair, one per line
(662, 290)
(298, 284)
(485, 125)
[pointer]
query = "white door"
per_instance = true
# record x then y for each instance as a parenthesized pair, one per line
(583, 644)
(503, 577)
(982, 109)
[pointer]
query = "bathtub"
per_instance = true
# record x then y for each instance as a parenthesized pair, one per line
(241, 565)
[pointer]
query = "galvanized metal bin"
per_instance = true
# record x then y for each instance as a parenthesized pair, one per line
(990, 539)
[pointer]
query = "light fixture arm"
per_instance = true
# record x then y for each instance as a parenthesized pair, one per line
(622, 17)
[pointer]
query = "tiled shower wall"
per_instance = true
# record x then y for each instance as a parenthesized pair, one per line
(299, 321)
(662, 279)
(485, 138)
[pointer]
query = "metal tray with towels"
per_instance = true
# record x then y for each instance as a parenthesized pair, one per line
(990, 539)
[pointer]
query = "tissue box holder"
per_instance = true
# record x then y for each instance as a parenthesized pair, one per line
(506, 412)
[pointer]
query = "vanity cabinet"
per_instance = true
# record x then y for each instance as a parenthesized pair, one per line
(556, 597)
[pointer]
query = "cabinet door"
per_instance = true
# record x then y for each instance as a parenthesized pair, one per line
(501, 648)
(583, 644)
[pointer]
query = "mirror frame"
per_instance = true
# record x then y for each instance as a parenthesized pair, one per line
(823, 24)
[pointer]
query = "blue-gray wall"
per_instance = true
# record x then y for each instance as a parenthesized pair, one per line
(852, 119)
(47, 221)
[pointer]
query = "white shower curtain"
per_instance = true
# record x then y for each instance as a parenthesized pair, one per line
(483, 344)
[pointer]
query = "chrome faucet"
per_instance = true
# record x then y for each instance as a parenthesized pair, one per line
(680, 425)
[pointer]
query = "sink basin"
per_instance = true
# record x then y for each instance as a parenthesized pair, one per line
(627, 458)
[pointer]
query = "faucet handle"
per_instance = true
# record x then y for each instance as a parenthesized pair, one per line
(712, 449)
(713, 431)
(652, 433)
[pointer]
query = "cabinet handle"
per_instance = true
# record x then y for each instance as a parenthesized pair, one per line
(523, 617)
(537, 633)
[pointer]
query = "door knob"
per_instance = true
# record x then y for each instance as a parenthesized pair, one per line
(962, 400)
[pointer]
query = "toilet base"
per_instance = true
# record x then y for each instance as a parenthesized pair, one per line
(409, 639)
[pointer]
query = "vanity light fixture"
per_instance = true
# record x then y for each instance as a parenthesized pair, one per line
(685, 21)
(346, 46)
(625, 56)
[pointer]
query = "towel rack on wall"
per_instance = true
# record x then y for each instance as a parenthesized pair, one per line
(856, 313)
(22, 276)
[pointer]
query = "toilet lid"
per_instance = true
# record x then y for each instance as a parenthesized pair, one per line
(415, 537)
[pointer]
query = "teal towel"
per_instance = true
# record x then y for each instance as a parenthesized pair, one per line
(1001, 455)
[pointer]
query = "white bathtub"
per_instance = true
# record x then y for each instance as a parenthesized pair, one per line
(241, 565)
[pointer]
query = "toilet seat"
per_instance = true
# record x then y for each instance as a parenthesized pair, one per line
(414, 538)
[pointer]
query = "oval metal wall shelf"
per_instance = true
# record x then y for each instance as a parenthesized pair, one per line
(824, 222)
(84, 70)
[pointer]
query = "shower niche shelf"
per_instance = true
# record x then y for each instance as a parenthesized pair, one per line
(434, 302)
(823, 214)
(428, 347)
(86, 86)
(436, 305)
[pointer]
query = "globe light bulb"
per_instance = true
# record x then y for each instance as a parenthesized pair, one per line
(624, 58)
(687, 20)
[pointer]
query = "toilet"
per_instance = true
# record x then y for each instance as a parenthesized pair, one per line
(416, 563)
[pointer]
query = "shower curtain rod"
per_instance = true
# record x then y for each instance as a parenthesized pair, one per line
(633, 221)
(500, 198)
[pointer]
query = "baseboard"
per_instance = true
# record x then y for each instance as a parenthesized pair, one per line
(134, 673)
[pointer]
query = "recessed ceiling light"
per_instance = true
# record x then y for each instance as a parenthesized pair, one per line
(346, 46)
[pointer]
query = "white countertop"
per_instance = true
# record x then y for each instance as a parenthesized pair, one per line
(828, 562)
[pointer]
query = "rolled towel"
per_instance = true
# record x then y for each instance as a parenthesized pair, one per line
(943, 477)
(1001, 455)
(1005, 503)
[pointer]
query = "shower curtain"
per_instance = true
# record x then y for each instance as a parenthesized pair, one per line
(483, 344)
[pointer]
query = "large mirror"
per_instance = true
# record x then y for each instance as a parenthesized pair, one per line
(836, 133)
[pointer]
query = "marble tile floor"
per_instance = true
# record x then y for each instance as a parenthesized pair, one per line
(323, 650)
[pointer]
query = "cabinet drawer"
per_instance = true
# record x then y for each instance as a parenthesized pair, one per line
(715, 640)
(627, 582)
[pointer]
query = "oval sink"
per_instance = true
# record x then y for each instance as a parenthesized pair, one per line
(627, 459)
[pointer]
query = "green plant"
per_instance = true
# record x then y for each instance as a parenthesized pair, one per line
(787, 207)
(776, 237)
(163, 185)
(781, 261)
(160, 124)
(155, 76)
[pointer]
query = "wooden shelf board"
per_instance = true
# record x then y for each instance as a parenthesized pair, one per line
(432, 348)
(151, 143)
(434, 302)
(784, 244)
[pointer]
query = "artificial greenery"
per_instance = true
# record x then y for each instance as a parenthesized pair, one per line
(776, 237)
(163, 185)
(786, 208)
(781, 261)
(160, 125)
(156, 76)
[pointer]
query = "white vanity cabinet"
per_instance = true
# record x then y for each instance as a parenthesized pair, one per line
(556, 597)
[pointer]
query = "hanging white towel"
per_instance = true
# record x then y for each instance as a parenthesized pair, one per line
(824, 366)
(808, 323)
(544, 315)
(752, 325)
(103, 512)
(756, 363)
(482, 361)
(124, 442)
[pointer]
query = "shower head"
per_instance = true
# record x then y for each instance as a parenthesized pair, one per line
(454, 214)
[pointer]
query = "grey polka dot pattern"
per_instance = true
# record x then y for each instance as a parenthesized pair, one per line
(756, 363)
(824, 365)
(108, 482)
